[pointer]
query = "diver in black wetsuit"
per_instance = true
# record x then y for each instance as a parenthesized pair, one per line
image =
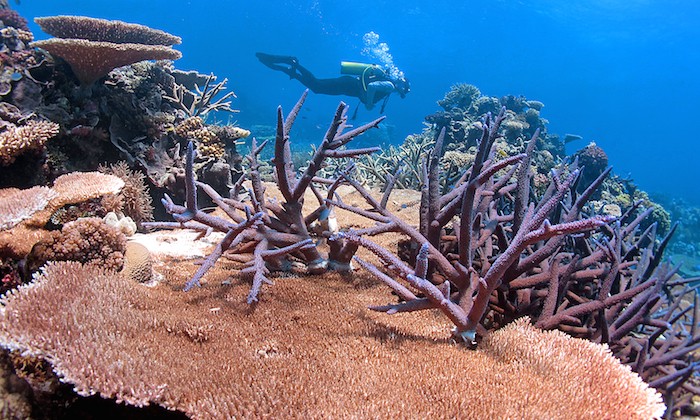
(371, 84)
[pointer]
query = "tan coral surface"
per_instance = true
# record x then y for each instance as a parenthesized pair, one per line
(309, 349)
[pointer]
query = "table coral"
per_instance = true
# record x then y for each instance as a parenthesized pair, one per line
(237, 363)
(94, 47)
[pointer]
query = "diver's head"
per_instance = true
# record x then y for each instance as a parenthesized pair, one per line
(402, 86)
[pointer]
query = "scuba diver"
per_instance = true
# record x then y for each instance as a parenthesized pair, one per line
(368, 82)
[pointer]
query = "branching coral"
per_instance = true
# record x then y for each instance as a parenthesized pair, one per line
(203, 100)
(507, 256)
(87, 240)
(136, 200)
(32, 136)
(275, 229)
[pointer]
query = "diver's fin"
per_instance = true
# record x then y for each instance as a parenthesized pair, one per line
(381, 111)
(354, 114)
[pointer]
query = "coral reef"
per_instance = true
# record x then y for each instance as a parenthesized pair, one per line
(486, 254)
(505, 257)
(536, 260)
(463, 108)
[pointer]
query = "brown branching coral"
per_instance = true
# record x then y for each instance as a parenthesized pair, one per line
(31, 136)
(135, 198)
(203, 100)
(94, 47)
(87, 240)
(132, 339)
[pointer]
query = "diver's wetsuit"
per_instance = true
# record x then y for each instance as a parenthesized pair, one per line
(343, 85)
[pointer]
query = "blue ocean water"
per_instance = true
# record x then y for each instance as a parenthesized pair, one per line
(622, 73)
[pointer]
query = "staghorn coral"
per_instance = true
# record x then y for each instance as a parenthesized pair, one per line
(32, 136)
(503, 258)
(86, 240)
(202, 100)
(102, 30)
(275, 230)
(132, 339)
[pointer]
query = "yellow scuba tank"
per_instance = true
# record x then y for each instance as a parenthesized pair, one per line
(354, 68)
(359, 69)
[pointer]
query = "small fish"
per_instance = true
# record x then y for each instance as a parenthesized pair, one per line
(568, 138)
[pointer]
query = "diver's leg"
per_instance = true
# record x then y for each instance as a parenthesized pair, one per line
(284, 63)
(268, 59)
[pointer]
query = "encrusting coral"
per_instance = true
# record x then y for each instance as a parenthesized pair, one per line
(204, 355)
(94, 47)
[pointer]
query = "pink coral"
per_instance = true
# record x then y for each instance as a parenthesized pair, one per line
(87, 240)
